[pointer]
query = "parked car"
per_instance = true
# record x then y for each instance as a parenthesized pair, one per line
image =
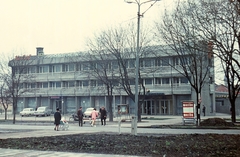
(43, 111)
(87, 113)
(27, 112)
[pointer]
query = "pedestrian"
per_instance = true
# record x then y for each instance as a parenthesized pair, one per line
(80, 116)
(57, 117)
(94, 116)
(204, 110)
(103, 116)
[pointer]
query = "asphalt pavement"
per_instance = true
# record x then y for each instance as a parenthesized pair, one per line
(31, 127)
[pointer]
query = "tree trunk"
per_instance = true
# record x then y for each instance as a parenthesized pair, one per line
(233, 113)
(110, 108)
(14, 112)
(5, 113)
(139, 112)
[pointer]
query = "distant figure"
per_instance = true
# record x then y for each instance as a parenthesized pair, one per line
(103, 116)
(57, 117)
(204, 110)
(94, 116)
(80, 116)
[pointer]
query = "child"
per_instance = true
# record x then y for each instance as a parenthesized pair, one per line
(94, 116)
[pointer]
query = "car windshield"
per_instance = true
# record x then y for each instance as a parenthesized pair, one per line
(89, 109)
(40, 109)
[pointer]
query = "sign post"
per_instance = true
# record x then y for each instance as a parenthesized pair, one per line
(188, 112)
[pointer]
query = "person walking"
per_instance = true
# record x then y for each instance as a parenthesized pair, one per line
(204, 110)
(94, 116)
(103, 115)
(57, 117)
(80, 116)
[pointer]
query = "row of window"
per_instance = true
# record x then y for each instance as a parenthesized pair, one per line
(150, 62)
(95, 83)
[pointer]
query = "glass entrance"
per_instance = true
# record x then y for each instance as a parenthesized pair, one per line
(164, 107)
(148, 107)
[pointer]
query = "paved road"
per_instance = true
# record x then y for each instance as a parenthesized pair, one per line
(23, 129)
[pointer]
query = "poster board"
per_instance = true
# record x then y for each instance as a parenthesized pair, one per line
(188, 109)
(123, 108)
(188, 112)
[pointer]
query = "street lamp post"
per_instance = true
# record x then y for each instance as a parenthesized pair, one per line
(135, 118)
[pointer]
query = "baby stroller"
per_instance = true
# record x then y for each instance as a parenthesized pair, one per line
(63, 125)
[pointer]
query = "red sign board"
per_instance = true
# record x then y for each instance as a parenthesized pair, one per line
(188, 109)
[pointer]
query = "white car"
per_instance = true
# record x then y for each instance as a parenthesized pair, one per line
(42, 111)
(87, 113)
(27, 112)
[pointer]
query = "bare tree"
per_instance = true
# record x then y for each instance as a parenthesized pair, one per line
(117, 46)
(177, 31)
(16, 79)
(101, 68)
(216, 22)
(4, 98)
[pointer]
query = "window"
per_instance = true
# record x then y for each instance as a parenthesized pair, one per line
(141, 63)
(93, 83)
(158, 62)
(131, 63)
(58, 84)
(31, 70)
(99, 83)
(71, 83)
(85, 66)
(65, 67)
(71, 67)
(55, 68)
(184, 80)
(32, 85)
(175, 80)
(184, 61)
(157, 80)
(85, 83)
(43, 69)
(65, 84)
(21, 85)
(165, 80)
(78, 67)
(115, 82)
(79, 83)
(100, 66)
(176, 61)
(132, 82)
(165, 61)
(147, 63)
(42, 85)
(114, 65)
(55, 84)
(148, 81)
(45, 85)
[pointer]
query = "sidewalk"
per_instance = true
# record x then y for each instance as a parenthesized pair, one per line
(36, 130)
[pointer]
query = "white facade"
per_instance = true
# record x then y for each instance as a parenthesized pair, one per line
(61, 82)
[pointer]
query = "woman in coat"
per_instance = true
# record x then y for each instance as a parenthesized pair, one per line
(57, 117)
(94, 116)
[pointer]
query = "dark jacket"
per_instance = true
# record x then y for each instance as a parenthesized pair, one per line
(80, 114)
(103, 113)
(57, 116)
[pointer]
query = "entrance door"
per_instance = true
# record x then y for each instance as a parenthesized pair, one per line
(59, 105)
(148, 107)
(165, 107)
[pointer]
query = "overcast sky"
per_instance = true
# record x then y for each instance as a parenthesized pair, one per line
(62, 26)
